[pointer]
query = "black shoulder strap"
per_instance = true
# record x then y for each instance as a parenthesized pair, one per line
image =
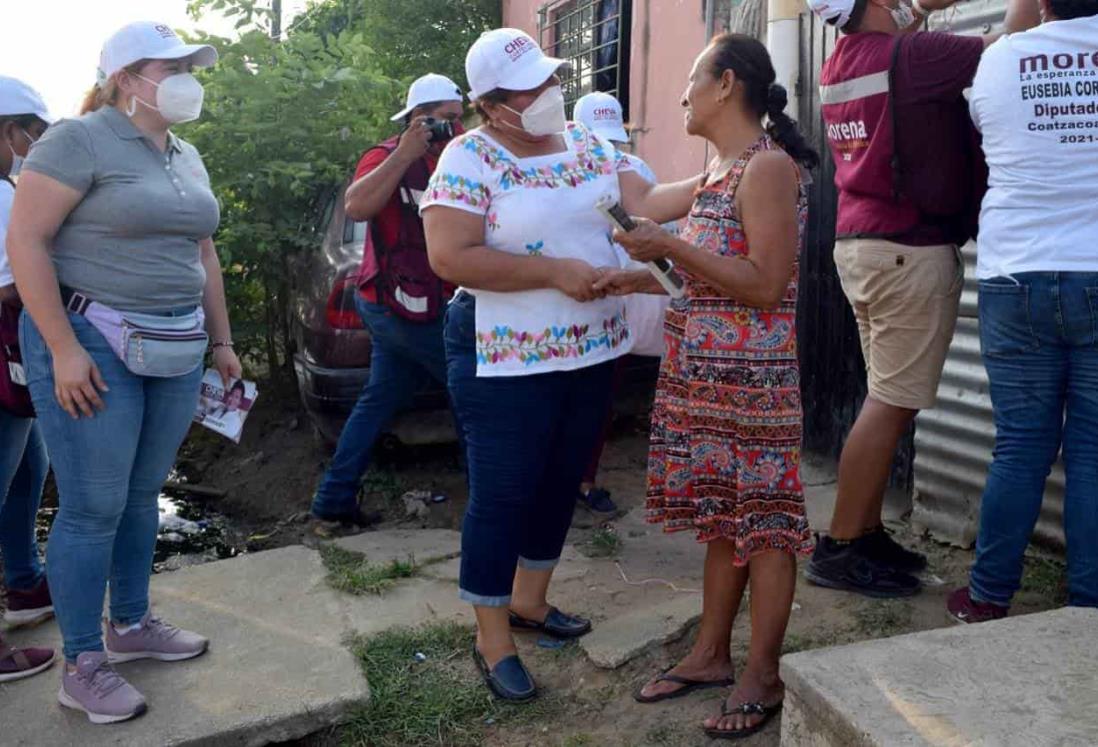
(897, 166)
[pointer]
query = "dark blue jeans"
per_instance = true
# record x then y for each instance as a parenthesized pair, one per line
(406, 356)
(528, 440)
(1039, 340)
(23, 468)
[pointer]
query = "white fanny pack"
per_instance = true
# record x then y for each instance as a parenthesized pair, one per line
(148, 344)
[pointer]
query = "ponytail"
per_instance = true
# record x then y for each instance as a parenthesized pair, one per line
(98, 97)
(748, 58)
(105, 93)
(783, 130)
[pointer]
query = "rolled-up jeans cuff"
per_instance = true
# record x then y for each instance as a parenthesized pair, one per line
(537, 565)
(483, 601)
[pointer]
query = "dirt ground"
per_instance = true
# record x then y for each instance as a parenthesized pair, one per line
(270, 477)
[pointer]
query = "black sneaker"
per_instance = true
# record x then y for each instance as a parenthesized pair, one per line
(848, 568)
(880, 546)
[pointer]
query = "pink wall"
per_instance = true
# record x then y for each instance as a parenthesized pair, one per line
(667, 36)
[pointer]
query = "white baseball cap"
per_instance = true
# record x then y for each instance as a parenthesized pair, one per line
(17, 99)
(148, 40)
(509, 59)
(427, 90)
(601, 113)
(835, 12)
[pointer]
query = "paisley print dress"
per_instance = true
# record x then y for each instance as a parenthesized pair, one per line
(724, 459)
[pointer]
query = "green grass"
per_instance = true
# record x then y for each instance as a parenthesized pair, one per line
(604, 543)
(383, 488)
(1047, 578)
(578, 740)
(351, 572)
(438, 702)
(883, 618)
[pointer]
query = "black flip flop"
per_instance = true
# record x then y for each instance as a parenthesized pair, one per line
(688, 686)
(748, 709)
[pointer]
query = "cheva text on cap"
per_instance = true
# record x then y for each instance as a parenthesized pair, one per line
(165, 31)
(518, 48)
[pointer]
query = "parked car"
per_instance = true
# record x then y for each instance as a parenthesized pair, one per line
(332, 347)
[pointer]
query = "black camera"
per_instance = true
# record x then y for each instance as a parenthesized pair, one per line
(441, 129)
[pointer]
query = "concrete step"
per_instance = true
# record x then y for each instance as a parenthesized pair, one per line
(1027, 680)
(278, 666)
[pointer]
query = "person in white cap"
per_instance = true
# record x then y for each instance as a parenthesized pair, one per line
(23, 461)
(400, 299)
(511, 217)
(907, 170)
(602, 114)
(111, 231)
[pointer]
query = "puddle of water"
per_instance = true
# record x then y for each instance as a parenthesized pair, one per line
(190, 533)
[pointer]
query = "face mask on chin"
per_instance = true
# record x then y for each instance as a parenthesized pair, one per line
(903, 16)
(545, 115)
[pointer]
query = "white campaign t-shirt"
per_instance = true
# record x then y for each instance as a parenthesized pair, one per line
(7, 195)
(538, 206)
(1035, 99)
(645, 311)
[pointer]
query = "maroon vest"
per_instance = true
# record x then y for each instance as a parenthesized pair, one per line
(404, 280)
(929, 188)
(854, 94)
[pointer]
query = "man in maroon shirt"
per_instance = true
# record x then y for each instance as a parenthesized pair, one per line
(401, 301)
(906, 165)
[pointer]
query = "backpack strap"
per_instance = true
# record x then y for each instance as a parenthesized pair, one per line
(897, 166)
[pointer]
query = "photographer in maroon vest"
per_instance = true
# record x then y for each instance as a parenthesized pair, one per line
(401, 301)
(910, 179)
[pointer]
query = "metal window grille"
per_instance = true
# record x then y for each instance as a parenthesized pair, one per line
(593, 36)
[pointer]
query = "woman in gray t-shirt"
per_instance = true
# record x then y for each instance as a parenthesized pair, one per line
(113, 208)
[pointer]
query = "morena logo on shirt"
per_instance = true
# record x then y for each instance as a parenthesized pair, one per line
(1038, 63)
(165, 31)
(518, 48)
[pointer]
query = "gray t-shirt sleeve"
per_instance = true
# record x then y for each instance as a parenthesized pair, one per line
(65, 153)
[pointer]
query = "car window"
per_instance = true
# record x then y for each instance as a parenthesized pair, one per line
(326, 215)
(354, 232)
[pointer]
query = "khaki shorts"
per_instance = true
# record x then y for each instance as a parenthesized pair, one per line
(905, 300)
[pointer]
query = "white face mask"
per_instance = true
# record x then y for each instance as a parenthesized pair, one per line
(16, 159)
(178, 98)
(902, 16)
(545, 115)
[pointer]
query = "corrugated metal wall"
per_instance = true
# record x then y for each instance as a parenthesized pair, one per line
(953, 442)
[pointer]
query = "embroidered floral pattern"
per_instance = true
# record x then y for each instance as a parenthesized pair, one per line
(457, 188)
(493, 221)
(592, 160)
(504, 343)
(534, 250)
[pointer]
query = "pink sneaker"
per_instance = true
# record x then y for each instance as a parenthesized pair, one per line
(99, 691)
(964, 609)
(154, 639)
(17, 663)
(29, 607)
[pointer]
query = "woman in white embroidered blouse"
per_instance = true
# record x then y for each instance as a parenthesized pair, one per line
(510, 216)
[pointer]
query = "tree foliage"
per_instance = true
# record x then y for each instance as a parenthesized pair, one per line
(284, 122)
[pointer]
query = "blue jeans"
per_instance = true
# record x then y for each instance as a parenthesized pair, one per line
(109, 470)
(406, 356)
(528, 440)
(23, 468)
(1039, 340)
